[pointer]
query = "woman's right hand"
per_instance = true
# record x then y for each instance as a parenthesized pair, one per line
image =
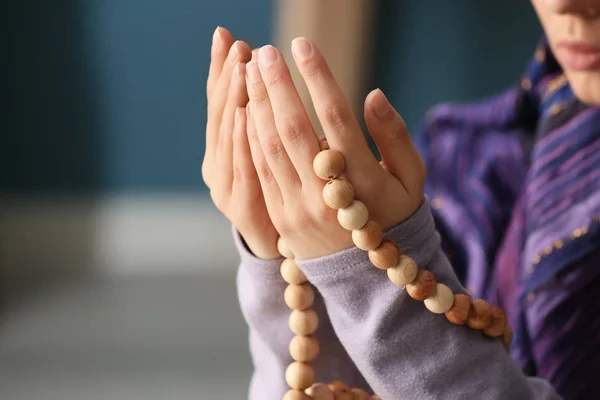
(227, 168)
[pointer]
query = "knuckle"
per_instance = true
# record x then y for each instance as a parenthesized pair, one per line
(252, 136)
(311, 69)
(273, 147)
(398, 134)
(274, 78)
(239, 174)
(336, 115)
(258, 96)
(398, 130)
(293, 128)
(263, 170)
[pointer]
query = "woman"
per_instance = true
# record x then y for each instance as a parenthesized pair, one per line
(515, 194)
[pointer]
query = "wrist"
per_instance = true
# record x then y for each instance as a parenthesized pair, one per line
(415, 236)
(260, 246)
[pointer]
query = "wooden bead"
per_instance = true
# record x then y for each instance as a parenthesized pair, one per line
(507, 337)
(304, 348)
(387, 255)
(299, 297)
(324, 145)
(359, 394)
(338, 193)
(498, 324)
(283, 248)
(441, 301)
(303, 322)
(299, 375)
(353, 217)
(404, 272)
(329, 164)
(480, 315)
(369, 237)
(296, 395)
(458, 313)
(423, 286)
(291, 273)
(320, 391)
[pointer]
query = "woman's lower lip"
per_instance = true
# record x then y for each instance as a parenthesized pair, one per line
(575, 59)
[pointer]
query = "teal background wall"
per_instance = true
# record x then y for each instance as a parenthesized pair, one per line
(108, 95)
(436, 51)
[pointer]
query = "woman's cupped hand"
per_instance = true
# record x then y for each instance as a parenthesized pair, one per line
(260, 156)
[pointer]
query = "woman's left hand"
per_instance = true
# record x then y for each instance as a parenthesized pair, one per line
(284, 144)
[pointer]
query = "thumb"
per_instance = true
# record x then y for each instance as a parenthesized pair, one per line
(398, 152)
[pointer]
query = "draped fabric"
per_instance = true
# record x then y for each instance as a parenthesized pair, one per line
(515, 187)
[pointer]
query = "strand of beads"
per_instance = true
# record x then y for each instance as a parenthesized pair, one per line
(401, 269)
(303, 321)
(304, 347)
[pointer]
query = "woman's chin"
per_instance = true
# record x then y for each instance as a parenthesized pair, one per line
(586, 86)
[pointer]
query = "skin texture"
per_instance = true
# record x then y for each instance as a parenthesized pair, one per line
(258, 163)
(263, 181)
(573, 20)
(227, 168)
(284, 144)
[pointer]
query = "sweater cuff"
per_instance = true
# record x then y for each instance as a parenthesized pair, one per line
(265, 269)
(416, 238)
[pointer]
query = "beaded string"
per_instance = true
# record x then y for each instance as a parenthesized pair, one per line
(384, 254)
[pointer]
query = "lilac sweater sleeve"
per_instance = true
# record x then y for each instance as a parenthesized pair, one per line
(260, 291)
(401, 349)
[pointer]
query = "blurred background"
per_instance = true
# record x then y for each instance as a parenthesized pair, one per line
(116, 272)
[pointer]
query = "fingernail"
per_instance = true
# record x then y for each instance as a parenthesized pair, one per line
(381, 106)
(301, 48)
(267, 55)
(252, 72)
(248, 114)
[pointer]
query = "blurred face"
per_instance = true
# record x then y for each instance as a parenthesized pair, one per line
(573, 30)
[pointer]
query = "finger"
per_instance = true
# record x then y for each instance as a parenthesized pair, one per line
(274, 151)
(291, 120)
(239, 52)
(237, 97)
(341, 128)
(243, 167)
(265, 175)
(222, 41)
(398, 152)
